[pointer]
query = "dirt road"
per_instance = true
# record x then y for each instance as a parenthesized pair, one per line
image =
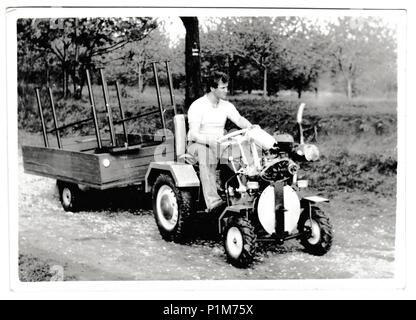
(114, 243)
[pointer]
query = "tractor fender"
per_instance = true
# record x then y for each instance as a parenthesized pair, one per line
(307, 202)
(183, 174)
(313, 199)
(232, 211)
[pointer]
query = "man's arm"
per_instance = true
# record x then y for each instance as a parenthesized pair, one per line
(243, 123)
(237, 118)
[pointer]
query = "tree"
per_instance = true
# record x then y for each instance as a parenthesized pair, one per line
(237, 42)
(241, 40)
(74, 42)
(132, 63)
(305, 57)
(258, 43)
(356, 44)
(192, 60)
(221, 47)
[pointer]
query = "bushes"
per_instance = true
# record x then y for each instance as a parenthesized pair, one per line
(27, 114)
(333, 118)
(356, 139)
(349, 171)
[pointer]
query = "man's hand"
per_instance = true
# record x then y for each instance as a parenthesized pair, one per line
(254, 126)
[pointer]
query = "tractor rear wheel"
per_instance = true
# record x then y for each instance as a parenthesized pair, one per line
(172, 207)
(240, 242)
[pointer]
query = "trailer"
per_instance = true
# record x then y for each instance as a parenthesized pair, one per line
(120, 160)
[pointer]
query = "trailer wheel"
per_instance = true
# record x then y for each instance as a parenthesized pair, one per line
(69, 195)
(240, 242)
(319, 241)
(172, 207)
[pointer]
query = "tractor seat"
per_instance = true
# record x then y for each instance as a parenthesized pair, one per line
(180, 122)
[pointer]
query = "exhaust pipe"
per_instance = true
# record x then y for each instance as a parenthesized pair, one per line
(299, 121)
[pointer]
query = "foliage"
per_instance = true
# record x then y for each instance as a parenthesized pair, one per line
(275, 53)
(77, 44)
(353, 55)
(248, 47)
(306, 57)
(132, 64)
(361, 46)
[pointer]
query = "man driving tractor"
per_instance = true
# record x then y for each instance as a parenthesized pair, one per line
(258, 175)
(207, 117)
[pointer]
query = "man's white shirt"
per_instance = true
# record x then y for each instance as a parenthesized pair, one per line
(210, 118)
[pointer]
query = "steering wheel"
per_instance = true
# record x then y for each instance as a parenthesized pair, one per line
(231, 135)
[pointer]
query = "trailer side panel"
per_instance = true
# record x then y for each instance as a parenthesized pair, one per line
(100, 171)
(125, 169)
(67, 165)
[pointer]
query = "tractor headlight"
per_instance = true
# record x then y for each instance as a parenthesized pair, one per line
(302, 183)
(253, 185)
(311, 152)
(292, 168)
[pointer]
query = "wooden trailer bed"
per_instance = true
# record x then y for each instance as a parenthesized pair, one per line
(77, 162)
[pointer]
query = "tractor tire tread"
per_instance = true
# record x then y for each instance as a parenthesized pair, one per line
(249, 242)
(325, 243)
(185, 206)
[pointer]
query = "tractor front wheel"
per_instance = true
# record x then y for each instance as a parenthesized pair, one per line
(318, 238)
(240, 242)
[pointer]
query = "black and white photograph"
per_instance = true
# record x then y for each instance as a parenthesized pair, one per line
(162, 145)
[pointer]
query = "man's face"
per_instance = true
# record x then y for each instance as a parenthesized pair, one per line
(221, 91)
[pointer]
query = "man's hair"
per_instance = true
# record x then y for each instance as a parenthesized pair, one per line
(214, 78)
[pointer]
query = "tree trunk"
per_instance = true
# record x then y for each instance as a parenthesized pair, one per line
(265, 82)
(76, 82)
(81, 87)
(65, 78)
(232, 75)
(192, 61)
(64, 82)
(47, 73)
(77, 72)
(349, 89)
(67, 83)
(140, 79)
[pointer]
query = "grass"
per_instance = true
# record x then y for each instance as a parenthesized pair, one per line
(33, 269)
(385, 145)
(326, 103)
